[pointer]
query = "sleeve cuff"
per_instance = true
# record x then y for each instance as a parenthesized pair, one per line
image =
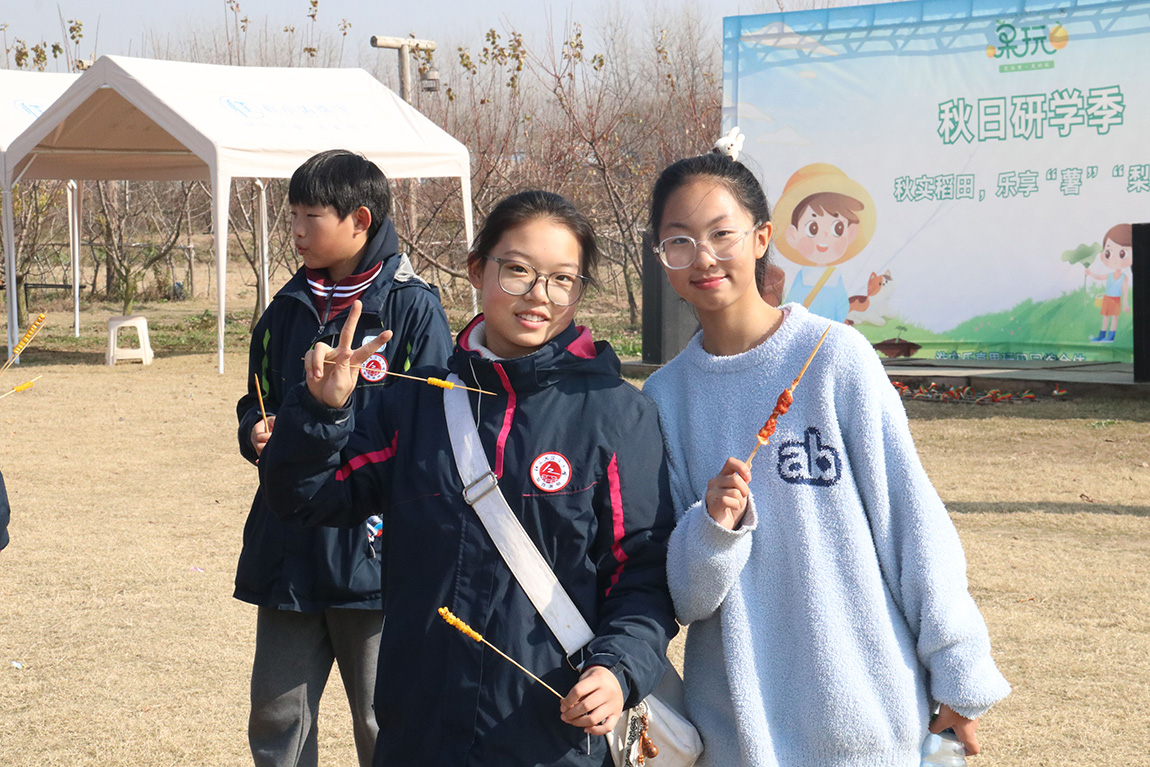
(612, 663)
(719, 536)
(320, 411)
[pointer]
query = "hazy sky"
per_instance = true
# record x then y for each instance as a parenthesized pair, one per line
(122, 26)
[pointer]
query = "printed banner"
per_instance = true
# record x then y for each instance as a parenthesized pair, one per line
(955, 180)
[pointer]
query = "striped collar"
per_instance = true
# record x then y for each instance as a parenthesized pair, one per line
(334, 297)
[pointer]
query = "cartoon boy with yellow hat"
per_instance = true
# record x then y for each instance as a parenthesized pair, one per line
(829, 218)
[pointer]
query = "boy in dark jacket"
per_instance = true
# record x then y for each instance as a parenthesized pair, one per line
(319, 589)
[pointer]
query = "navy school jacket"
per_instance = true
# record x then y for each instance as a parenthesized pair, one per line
(579, 456)
(310, 569)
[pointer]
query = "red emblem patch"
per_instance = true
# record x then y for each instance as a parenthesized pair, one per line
(374, 368)
(551, 472)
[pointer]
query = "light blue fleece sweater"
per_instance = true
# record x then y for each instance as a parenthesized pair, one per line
(820, 630)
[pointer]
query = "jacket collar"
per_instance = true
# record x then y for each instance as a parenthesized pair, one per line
(570, 353)
(382, 248)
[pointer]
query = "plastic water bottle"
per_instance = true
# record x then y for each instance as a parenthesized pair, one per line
(374, 529)
(943, 750)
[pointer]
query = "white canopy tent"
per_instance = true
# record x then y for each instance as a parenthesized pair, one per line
(143, 119)
(23, 97)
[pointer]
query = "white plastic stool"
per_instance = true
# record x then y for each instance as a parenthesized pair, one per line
(116, 352)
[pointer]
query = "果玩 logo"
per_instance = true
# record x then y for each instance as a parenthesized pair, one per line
(1034, 42)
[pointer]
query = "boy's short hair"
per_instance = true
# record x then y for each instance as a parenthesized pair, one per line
(344, 180)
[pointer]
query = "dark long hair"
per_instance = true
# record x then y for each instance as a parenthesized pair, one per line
(736, 177)
(522, 207)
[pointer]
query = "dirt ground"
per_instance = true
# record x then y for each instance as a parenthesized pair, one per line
(120, 643)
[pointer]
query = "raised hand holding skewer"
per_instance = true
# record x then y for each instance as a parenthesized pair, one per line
(728, 492)
(332, 372)
(439, 382)
(314, 361)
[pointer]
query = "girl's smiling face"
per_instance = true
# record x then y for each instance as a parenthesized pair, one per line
(519, 325)
(696, 209)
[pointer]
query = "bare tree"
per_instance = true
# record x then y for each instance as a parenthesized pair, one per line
(485, 107)
(632, 110)
(39, 224)
(137, 231)
(595, 117)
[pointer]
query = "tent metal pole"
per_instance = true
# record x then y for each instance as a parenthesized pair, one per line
(468, 228)
(75, 195)
(262, 218)
(221, 195)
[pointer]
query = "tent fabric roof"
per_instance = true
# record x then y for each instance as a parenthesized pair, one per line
(23, 97)
(146, 119)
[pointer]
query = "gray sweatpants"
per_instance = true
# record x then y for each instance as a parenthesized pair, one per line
(294, 653)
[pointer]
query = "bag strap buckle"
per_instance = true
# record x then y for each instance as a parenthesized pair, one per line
(479, 487)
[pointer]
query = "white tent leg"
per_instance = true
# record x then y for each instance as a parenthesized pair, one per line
(468, 230)
(221, 196)
(10, 266)
(262, 218)
(75, 198)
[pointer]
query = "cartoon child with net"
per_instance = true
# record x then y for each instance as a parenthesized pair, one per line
(1116, 258)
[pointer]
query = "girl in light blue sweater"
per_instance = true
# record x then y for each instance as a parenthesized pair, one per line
(825, 591)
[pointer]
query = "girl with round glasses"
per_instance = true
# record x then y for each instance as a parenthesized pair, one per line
(562, 288)
(578, 456)
(825, 593)
(679, 251)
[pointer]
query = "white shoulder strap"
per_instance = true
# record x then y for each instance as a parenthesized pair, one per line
(481, 491)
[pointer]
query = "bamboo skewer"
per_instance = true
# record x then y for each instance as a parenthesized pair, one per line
(32, 330)
(784, 402)
(432, 381)
(438, 382)
(473, 634)
(260, 397)
(22, 387)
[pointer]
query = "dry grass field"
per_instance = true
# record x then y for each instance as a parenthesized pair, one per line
(120, 643)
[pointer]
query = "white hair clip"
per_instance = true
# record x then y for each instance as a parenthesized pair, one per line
(730, 144)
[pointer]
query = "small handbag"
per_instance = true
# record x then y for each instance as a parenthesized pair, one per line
(658, 727)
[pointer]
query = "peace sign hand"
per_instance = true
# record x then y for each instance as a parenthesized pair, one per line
(332, 372)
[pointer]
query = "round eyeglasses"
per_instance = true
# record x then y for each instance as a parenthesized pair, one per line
(680, 251)
(518, 279)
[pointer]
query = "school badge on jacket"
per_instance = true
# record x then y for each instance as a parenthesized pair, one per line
(550, 472)
(374, 368)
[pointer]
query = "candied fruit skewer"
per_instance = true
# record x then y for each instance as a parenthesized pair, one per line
(451, 620)
(784, 402)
